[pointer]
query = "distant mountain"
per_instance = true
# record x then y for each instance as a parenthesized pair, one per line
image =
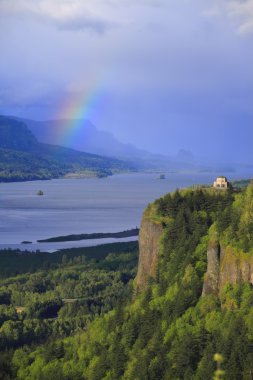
(89, 139)
(15, 135)
(22, 157)
(185, 156)
(95, 141)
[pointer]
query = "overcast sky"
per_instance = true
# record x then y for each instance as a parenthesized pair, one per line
(160, 74)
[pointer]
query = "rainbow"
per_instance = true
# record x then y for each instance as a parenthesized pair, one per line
(74, 113)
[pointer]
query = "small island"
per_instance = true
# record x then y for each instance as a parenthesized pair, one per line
(99, 235)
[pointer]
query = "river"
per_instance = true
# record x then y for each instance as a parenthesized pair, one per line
(75, 206)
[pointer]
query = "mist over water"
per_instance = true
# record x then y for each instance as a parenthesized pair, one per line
(75, 206)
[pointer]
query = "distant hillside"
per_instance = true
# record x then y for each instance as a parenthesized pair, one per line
(15, 135)
(90, 139)
(22, 157)
(95, 141)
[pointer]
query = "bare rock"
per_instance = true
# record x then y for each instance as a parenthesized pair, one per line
(149, 244)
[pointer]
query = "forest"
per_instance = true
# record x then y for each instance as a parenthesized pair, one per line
(60, 299)
(87, 320)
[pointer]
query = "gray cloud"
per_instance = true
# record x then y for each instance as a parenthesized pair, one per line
(238, 12)
(95, 25)
(65, 15)
(164, 70)
(102, 15)
(242, 12)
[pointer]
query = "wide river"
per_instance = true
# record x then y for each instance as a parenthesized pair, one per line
(75, 206)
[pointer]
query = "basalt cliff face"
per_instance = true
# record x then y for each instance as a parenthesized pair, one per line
(186, 225)
(211, 280)
(226, 266)
(149, 244)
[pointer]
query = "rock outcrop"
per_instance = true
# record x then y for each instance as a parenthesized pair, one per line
(226, 266)
(149, 244)
(226, 263)
(211, 281)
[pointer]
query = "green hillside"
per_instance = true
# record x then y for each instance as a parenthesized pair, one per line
(168, 330)
(22, 157)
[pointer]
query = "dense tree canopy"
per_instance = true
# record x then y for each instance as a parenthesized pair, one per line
(168, 331)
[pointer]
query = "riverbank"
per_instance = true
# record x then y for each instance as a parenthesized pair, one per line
(58, 246)
(14, 261)
(98, 235)
(72, 207)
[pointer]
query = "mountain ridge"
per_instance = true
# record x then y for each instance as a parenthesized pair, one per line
(23, 157)
(95, 141)
(101, 142)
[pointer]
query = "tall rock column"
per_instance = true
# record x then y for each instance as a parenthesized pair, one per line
(149, 243)
(211, 279)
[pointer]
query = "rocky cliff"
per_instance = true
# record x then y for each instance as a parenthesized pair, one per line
(149, 243)
(211, 280)
(226, 266)
(186, 220)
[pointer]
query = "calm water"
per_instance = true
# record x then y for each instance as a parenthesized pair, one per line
(73, 206)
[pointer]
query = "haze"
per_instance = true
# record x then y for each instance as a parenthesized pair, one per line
(163, 75)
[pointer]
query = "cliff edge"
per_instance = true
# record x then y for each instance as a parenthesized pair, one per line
(149, 244)
(226, 266)
(187, 224)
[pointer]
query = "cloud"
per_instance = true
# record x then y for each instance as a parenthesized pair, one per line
(96, 15)
(211, 12)
(242, 12)
(239, 12)
(65, 15)
(81, 23)
(19, 95)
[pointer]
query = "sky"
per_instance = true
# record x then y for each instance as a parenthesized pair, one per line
(162, 75)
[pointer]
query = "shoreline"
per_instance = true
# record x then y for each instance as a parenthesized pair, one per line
(58, 246)
(91, 236)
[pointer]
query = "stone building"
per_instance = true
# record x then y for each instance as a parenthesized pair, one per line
(221, 183)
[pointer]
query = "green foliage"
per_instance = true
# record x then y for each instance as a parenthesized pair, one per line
(190, 214)
(100, 235)
(236, 224)
(241, 184)
(166, 332)
(14, 262)
(44, 306)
